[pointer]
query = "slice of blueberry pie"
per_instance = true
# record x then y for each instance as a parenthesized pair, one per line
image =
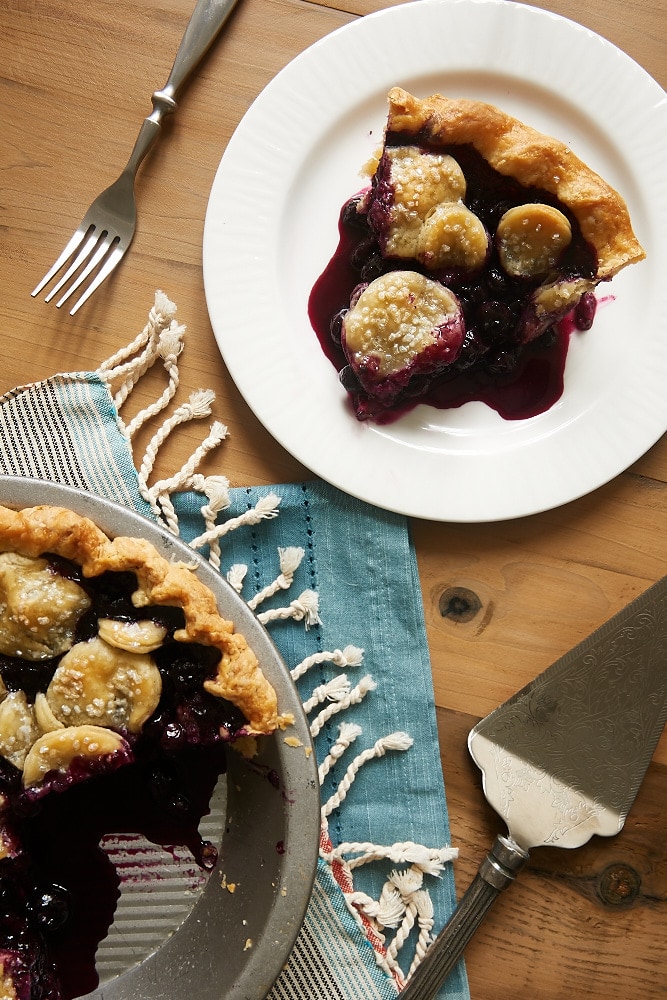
(477, 237)
(120, 685)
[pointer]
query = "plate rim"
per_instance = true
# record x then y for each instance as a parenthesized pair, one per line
(300, 809)
(391, 493)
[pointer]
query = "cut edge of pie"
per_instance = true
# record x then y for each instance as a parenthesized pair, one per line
(40, 530)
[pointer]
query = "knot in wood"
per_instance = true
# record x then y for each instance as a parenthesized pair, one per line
(459, 604)
(619, 885)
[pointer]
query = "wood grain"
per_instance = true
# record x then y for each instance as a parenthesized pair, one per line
(75, 84)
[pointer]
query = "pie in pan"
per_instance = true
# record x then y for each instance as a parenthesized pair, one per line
(114, 661)
(477, 236)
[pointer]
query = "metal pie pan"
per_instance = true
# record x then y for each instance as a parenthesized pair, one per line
(229, 945)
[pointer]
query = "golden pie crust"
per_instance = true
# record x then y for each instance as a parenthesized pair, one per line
(535, 160)
(36, 531)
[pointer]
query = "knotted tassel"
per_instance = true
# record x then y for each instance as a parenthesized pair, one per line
(236, 574)
(289, 561)
(356, 695)
(351, 656)
(347, 734)
(265, 509)
(304, 608)
(396, 741)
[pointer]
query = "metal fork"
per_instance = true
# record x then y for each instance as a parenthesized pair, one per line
(108, 227)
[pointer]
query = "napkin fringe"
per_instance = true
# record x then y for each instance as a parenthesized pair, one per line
(161, 341)
(404, 906)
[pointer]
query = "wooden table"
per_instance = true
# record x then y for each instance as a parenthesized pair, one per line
(75, 83)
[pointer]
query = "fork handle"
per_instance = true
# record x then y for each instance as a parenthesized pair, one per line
(203, 28)
(207, 19)
(496, 872)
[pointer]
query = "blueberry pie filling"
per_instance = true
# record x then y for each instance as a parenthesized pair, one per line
(120, 687)
(464, 267)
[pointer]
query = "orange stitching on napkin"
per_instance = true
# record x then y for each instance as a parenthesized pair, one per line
(343, 878)
(403, 903)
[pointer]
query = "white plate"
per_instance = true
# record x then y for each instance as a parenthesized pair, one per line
(271, 228)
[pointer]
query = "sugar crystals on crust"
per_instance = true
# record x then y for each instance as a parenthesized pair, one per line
(515, 227)
(36, 531)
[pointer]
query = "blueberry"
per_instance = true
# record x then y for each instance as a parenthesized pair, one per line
(496, 212)
(373, 267)
(471, 351)
(357, 292)
(362, 253)
(87, 626)
(186, 675)
(490, 212)
(336, 325)
(351, 217)
(584, 313)
(495, 319)
(348, 379)
(497, 282)
(179, 805)
(10, 776)
(504, 361)
(208, 855)
(547, 339)
(165, 790)
(8, 895)
(417, 386)
(470, 297)
(48, 907)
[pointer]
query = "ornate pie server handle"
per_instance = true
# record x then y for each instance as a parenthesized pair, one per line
(496, 872)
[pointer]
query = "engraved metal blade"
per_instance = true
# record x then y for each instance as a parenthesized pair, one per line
(564, 757)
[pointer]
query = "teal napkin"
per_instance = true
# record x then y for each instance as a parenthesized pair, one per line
(347, 617)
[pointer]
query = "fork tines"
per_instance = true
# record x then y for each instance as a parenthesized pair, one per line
(100, 253)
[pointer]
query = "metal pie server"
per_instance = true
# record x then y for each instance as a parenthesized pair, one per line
(563, 759)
